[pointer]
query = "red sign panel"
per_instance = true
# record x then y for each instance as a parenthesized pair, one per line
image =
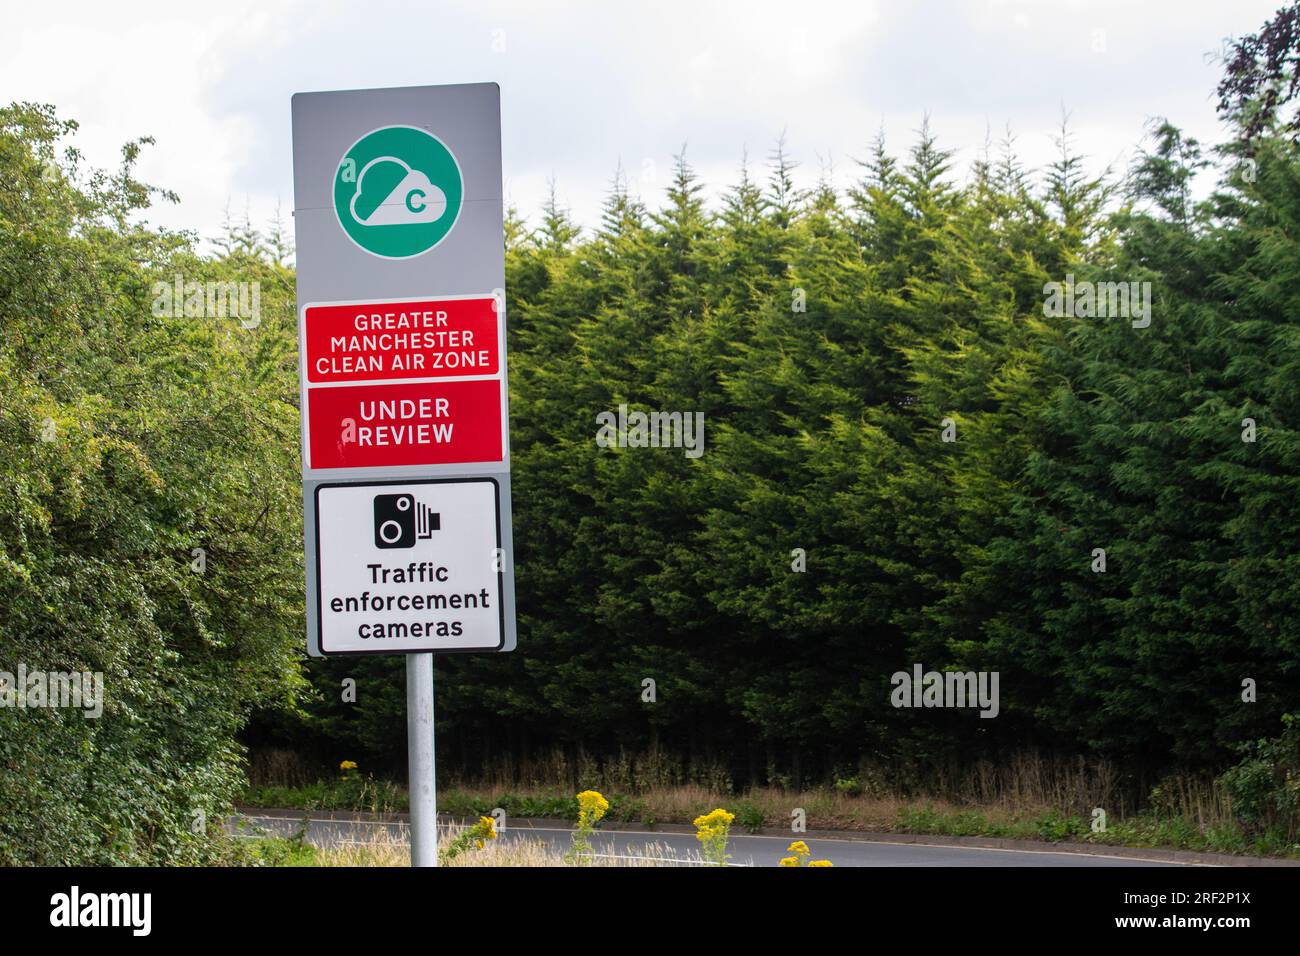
(416, 423)
(438, 338)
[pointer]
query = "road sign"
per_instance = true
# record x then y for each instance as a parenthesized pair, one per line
(402, 347)
(402, 359)
(407, 383)
(437, 423)
(400, 564)
(432, 338)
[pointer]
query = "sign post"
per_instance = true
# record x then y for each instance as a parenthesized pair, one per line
(403, 395)
(419, 755)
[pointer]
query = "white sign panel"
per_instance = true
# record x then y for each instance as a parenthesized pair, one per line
(408, 567)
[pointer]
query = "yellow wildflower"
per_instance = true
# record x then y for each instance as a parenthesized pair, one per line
(715, 818)
(711, 830)
(593, 804)
(798, 848)
(348, 765)
(790, 861)
(489, 827)
(820, 863)
(705, 834)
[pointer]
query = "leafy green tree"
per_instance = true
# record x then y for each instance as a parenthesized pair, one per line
(148, 510)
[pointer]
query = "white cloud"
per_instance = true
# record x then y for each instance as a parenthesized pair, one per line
(121, 79)
(587, 84)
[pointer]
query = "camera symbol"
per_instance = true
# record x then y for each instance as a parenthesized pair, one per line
(400, 521)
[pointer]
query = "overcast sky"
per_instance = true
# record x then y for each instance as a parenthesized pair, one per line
(586, 86)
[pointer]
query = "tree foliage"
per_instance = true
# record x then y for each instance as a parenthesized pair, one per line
(827, 341)
(132, 438)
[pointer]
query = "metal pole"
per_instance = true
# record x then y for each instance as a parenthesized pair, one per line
(419, 753)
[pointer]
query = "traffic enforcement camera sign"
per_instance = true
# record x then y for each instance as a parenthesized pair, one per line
(401, 562)
(402, 354)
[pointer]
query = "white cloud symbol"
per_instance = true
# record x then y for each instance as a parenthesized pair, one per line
(415, 199)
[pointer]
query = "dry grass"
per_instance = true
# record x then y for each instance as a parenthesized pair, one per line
(1028, 796)
(526, 852)
(380, 847)
(824, 808)
(1026, 785)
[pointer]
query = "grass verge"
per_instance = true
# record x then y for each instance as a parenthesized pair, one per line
(381, 848)
(823, 809)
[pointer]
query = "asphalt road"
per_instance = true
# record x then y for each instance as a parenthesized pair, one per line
(745, 849)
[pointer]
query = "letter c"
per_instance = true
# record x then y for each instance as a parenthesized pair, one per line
(415, 208)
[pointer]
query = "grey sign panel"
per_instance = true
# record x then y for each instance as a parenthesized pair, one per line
(398, 198)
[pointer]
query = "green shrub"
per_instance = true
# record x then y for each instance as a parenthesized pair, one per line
(919, 819)
(1055, 827)
(1265, 786)
(749, 816)
(849, 786)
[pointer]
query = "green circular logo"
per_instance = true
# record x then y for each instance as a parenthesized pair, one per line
(397, 192)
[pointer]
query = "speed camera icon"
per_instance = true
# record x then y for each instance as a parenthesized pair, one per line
(400, 521)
